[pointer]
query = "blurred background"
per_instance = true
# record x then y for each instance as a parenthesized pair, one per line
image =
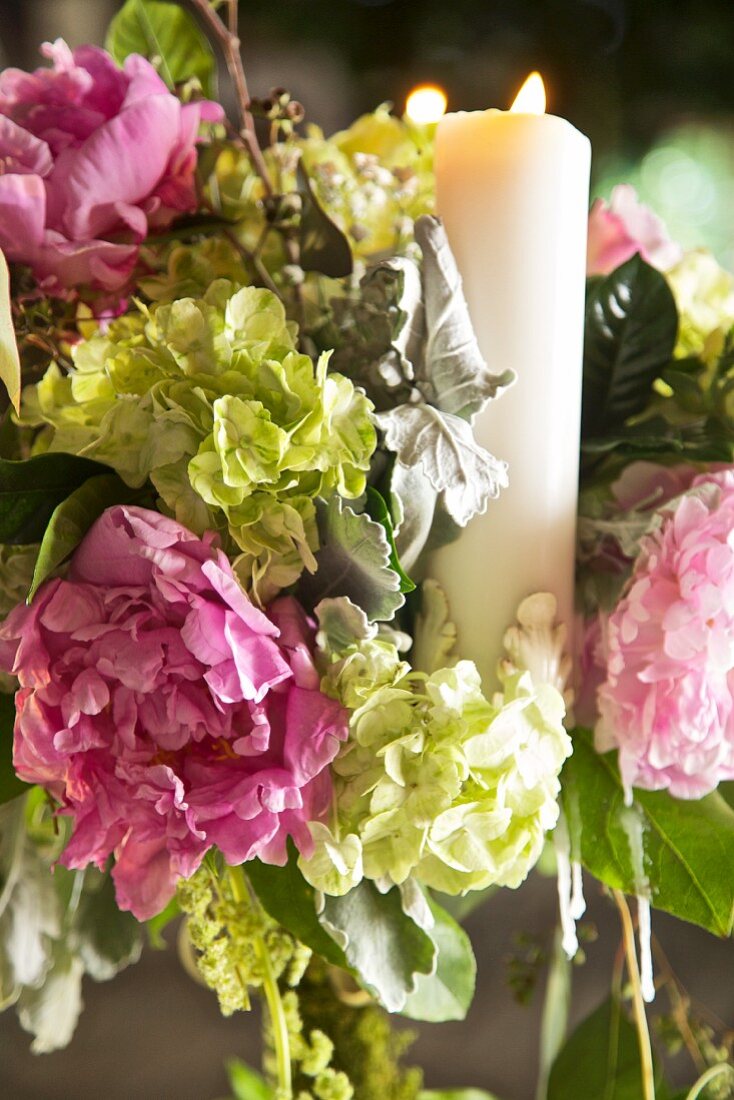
(651, 82)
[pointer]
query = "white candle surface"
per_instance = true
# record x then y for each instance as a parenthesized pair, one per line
(513, 193)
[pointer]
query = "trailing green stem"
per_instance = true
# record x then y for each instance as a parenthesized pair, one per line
(271, 990)
(710, 1075)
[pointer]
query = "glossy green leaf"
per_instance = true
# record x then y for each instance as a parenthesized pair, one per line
(601, 1060)
(379, 512)
(324, 247)
(381, 942)
(10, 785)
(686, 843)
(631, 329)
(448, 992)
(288, 898)
(72, 519)
(30, 491)
(245, 1083)
(9, 358)
(169, 36)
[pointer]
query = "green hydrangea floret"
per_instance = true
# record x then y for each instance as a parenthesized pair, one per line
(238, 431)
(436, 781)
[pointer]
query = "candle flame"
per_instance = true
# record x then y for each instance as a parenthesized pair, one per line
(426, 104)
(530, 100)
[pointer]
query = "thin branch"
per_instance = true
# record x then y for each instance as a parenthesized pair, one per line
(638, 1005)
(227, 38)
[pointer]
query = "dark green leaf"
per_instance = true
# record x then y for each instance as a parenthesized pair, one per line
(378, 511)
(631, 329)
(10, 785)
(288, 898)
(448, 992)
(72, 519)
(686, 843)
(31, 490)
(106, 938)
(324, 247)
(167, 34)
(600, 1061)
(384, 945)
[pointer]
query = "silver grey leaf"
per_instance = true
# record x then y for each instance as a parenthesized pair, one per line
(452, 373)
(445, 447)
(414, 497)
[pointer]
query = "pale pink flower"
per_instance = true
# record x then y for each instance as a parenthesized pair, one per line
(165, 712)
(623, 226)
(92, 156)
(667, 703)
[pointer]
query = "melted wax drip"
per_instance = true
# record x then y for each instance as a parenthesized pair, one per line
(568, 888)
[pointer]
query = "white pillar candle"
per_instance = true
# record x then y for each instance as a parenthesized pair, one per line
(513, 193)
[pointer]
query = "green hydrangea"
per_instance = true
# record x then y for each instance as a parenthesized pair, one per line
(704, 294)
(373, 179)
(436, 781)
(186, 270)
(237, 430)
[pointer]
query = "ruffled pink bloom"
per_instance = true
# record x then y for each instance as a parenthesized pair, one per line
(165, 712)
(623, 226)
(668, 700)
(92, 156)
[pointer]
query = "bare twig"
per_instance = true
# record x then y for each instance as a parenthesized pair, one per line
(638, 1005)
(227, 38)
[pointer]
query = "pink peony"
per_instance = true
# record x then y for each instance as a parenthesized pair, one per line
(624, 226)
(165, 712)
(93, 156)
(668, 700)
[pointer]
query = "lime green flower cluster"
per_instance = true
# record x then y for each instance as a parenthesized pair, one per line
(437, 782)
(704, 294)
(238, 432)
(230, 939)
(373, 179)
(187, 270)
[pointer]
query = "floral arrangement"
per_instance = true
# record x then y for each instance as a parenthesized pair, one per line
(232, 694)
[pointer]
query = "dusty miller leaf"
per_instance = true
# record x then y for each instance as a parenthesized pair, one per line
(106, 939)
(354, 561)
(413, 499)
(341, 624)
(434, 634)
(447, 452)
(51, 1012)
(380, 332)
(386, 948)
(448, 992)
(31, 916)
(452, 373)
